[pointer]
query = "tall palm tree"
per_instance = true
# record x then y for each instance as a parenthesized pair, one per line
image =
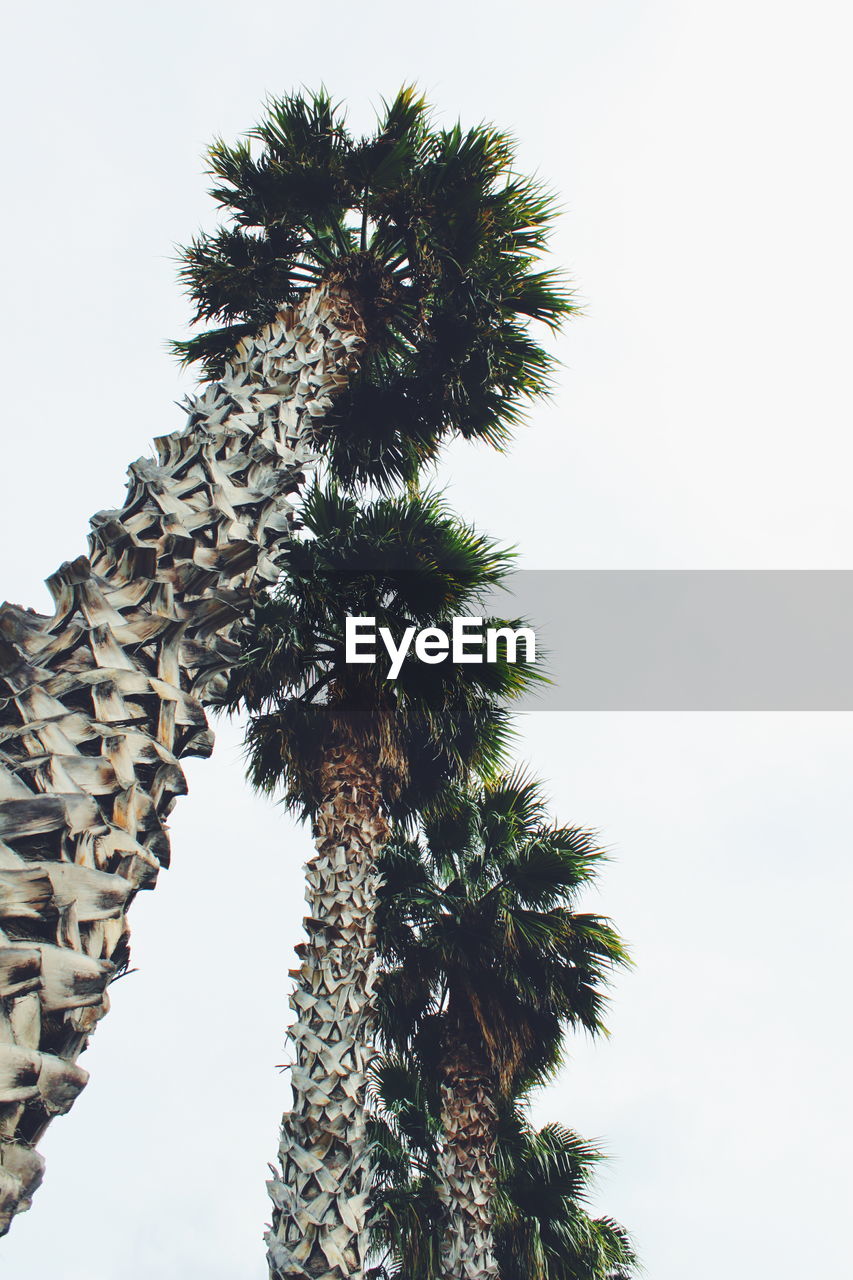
(543, 1228)
(351, 749)
(492, 962)
(372, 296)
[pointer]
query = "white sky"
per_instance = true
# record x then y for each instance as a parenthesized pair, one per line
(703, 420)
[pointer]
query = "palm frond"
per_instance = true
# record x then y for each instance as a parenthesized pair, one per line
(410, 564)
(433, 235)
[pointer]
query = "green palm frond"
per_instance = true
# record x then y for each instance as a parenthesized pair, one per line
(433, 235)
(544, 1227)
(482, 908)
(408, 563)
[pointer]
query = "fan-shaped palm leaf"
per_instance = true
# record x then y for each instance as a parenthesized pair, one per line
(432, 238)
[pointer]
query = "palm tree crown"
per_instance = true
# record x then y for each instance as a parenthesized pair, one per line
(486, 953)
(433, 237)
(405, 561)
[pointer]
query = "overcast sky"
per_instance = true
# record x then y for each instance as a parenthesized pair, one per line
(702, 420)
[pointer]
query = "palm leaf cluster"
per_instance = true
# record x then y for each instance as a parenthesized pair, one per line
(544, 1228)
(478, 917)
(405, 562)
(543, 1225)
(432, 236)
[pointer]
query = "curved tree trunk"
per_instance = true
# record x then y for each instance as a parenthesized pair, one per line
(99, 702)
(321, 1193)
(467, 1172)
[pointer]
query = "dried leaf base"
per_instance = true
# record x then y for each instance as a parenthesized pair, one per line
(467, 1174)
(320, 1193)
(99, 703)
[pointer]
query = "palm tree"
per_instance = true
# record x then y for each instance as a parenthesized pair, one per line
(372, 296)
(424, 242)
(351, 749)
(489, 962)
(543, 1228)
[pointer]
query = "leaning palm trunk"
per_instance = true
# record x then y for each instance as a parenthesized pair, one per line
(99, 702)
(320, 1195)
(467, 1172)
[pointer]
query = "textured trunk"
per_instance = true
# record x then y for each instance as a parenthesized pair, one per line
(99, 702)
(321, 1192)
(466, 1169)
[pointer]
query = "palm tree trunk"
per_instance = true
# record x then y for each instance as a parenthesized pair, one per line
(99, 702)
(467, 1173)
(320, 1194)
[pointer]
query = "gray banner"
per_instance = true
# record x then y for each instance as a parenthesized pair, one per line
(673, 640)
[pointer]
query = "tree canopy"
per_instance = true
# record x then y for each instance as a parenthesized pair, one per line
(485, 953)
(430, 232)
(405, 561)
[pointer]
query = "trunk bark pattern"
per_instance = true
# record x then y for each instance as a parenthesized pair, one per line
(467, 1173)
(320, 1192)
(100, 702)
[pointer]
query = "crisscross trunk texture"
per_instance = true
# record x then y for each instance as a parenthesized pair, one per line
(321, 1192)
(467, 1173)
(99, 702)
